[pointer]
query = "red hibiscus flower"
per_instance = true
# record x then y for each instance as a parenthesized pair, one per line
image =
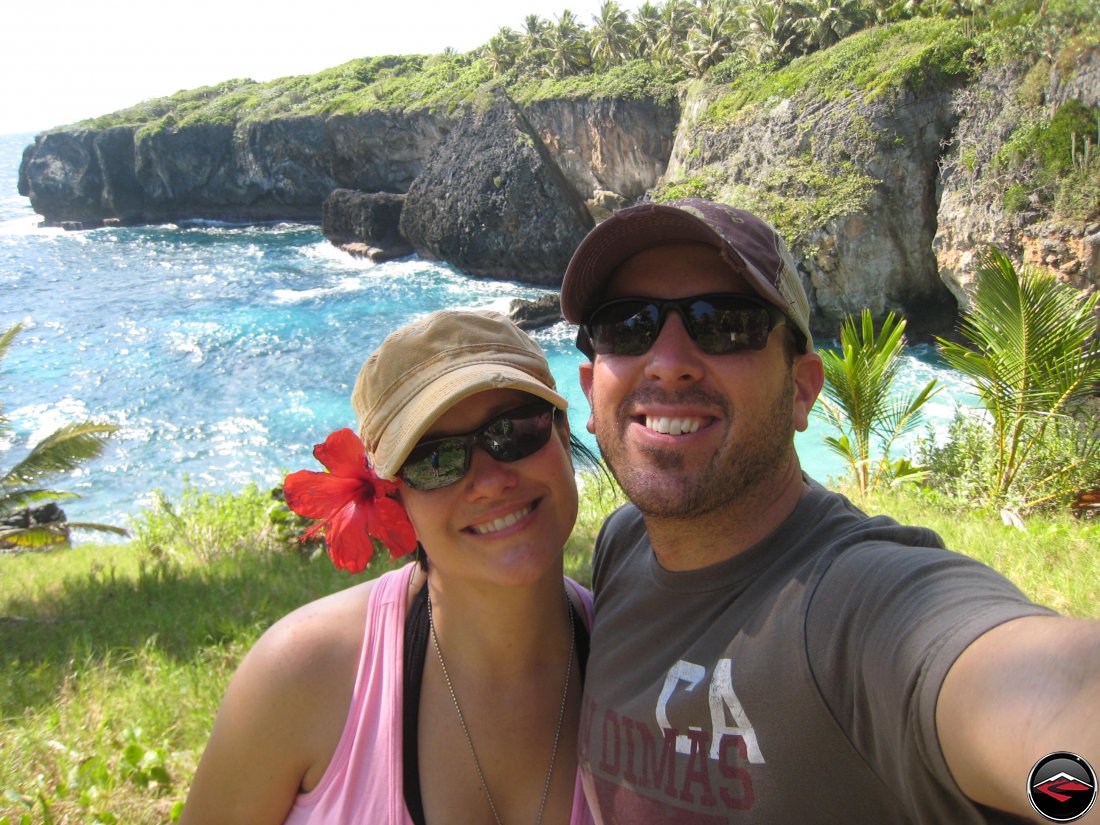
(351, 503)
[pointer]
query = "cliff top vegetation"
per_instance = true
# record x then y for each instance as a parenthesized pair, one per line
(760, 48)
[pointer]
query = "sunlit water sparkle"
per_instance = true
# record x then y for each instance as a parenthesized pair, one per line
(226, 352)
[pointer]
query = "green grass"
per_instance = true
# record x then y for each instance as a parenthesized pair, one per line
(1053, 560)
(916, 54)
(115, 657)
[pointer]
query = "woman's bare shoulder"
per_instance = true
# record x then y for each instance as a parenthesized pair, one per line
(283, 713)
(307, 643)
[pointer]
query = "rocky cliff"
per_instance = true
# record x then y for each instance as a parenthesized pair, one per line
(976, 206)
(493, 202)
(257, 171)
(887, 161)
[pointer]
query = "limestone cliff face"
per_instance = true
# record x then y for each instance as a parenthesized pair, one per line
(852, 185)
(612, 151)
(279, 169)
(886, 197)
(972, 212)
(492, 201)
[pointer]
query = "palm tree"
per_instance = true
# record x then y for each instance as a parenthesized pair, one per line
(889, 11)
(827, 22)
(61, 452)
(860, 402)
(677, 18)
(567, 50)
(502, 50)
(711, 40)
(647, 27)
(533, 41)
(774, 30)
(611, 35)
(1034, 362)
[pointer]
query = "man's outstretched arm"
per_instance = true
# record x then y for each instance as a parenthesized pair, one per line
(1025, 689)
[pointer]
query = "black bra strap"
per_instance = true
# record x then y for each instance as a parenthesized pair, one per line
(416, 648)
(417, 632)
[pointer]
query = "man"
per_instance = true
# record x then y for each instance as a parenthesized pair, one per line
(763, 651)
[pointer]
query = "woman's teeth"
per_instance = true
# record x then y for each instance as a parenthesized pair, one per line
(501, 523)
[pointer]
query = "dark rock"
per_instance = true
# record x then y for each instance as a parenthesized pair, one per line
(48, 513)
(541, 312)
(281, 169)
(365, 224)
(72, 226)
(492, 202)
(374, 253)
(42, 514)
(62, 177)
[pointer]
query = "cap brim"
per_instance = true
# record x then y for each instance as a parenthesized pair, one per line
(418, 415)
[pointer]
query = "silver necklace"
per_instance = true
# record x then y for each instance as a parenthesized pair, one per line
(466, 732)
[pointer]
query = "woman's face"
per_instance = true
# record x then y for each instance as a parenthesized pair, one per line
(504, 522)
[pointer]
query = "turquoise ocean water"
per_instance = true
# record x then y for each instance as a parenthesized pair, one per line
(226, 352)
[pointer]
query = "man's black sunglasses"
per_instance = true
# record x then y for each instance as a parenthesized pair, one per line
(719, 323)
(518, 433)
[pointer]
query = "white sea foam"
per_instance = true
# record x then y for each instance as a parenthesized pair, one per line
(27, 226)
(34, 422)
(297, 296)
(330, 253)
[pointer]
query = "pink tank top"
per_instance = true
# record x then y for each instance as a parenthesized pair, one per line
(363, 782)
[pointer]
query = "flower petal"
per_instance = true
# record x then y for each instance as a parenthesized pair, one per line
(389, 523)
(343, 454)
(349, 543)
(316, 495)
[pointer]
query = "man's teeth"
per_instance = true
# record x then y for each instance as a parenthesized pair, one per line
(672, 426)
(502, 522)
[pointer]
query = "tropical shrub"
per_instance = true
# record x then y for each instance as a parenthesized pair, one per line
(23, 525)
(859, 401)
(961, 466)
(1032, 358)
(204, 525)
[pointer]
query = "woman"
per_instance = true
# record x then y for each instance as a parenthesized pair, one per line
(448, 690)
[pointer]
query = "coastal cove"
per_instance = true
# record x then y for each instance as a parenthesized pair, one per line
(225, 352)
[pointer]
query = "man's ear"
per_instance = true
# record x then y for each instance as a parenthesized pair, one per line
(808, 375)
(586, 369)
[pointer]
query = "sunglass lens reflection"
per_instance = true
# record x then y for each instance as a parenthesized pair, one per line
(510, 437)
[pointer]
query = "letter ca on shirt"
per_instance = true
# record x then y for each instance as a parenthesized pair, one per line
(700, 765)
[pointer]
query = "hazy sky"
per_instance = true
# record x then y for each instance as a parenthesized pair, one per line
(71, 59)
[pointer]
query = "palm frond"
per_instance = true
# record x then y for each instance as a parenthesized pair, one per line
(1031, 357)
(97, 528)
(60, 452)
(35, 536)
(12, 500)
(858, 398)
(7, 337)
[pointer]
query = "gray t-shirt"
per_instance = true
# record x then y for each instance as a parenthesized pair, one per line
(794, 683)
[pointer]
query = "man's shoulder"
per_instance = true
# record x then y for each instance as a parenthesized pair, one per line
(833, 517)
(623, 517)
(623, 532)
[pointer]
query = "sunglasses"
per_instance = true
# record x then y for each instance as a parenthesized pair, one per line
(719, 323)
(440, 462)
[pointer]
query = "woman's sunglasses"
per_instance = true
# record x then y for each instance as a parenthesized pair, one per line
(718, 324)
(439, 462)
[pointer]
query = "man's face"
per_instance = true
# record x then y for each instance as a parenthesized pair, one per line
(685, 432)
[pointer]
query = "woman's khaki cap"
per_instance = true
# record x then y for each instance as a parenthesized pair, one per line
(423, 369)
